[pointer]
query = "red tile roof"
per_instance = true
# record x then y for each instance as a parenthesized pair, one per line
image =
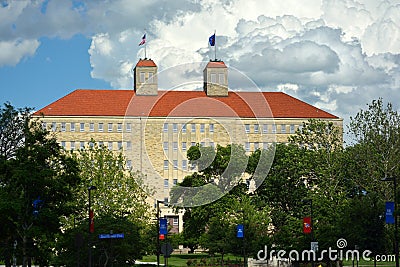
(216, 64)
(146, 63)
(182, 104)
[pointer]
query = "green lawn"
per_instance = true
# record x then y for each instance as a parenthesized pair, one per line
(181, 260)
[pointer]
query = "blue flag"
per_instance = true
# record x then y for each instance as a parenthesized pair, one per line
(211, 40)
(389, 214)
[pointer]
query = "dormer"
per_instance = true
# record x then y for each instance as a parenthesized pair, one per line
(216, 78)
(145, 77)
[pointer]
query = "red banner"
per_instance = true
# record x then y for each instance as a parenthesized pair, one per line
(91, 219)
(307, 228)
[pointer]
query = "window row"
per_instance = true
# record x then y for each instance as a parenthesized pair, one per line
(110, 145)
(167, 184)
(88, 126)
(190, 127)
(184, 145)
(253, 146)
(175, 166)
(269, 128)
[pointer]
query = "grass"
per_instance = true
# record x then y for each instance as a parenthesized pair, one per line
(180, 260)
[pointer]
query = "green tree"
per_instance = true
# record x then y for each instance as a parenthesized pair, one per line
(119, 201)
(37, 180)
(376, 137)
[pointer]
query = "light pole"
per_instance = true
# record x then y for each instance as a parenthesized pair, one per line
(244, 239)
(396, 241)
(309, 201)
(158, 231)
(90, 188)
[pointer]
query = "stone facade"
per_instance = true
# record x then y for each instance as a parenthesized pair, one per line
(154, 134)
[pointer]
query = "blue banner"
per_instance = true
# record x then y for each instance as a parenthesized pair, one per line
(389, 213)
(163, 227)
(240, 231)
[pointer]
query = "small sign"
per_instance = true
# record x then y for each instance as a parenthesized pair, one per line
(163, 227)
(314, 246)
(240, 231)
(113, 236)
(389, 213)
(166, 249)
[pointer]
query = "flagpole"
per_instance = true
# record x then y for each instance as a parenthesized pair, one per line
(145, 45)
(215, 45)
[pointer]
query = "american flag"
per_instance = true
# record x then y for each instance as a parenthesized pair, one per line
(143, 40)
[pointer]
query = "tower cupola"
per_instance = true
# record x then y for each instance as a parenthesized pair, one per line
(216, 78)
(145, 77)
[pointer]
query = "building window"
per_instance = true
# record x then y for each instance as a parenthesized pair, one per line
(184, 164)
(183, 128)
(150, 79)
(283, 128)
(221, 77)
(119, 145)
(265, 145)
(72, 127)
(247, 146)
(213, 78)
(256, 145)
(101, 144)
(256, 128)
(247, 128)
(110, 127)
(175, 221)
(142, 77)
(175, 181)
(165, 127)
(63, 144)
(101, 127)
(183, 146)
(203, 144)
(129, 127)
(193, 128)
(166, 201)
(53, 126)
(166, 183)
(82, 145)
(165, 146)
(128, 145)
(212, 144)
(72, 145)
(110, 146)
(44, 125)
(82, 127)
(91, 144)
(265, 128)
(273, 128)
(129, 164)
(211, 128)
(292, 129)
(202, 127)
(119, 127)
(175, 164)
(63, 127)
(91, 127)
(175, 127)
(193, 144)
(175, 145)
(166, 164)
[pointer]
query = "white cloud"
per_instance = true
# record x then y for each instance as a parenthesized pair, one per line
(19, 48)
(336, 54)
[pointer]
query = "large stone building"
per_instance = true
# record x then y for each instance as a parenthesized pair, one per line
(155, 128)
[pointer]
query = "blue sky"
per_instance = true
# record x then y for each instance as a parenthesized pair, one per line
(56, 68)
(338, 55)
